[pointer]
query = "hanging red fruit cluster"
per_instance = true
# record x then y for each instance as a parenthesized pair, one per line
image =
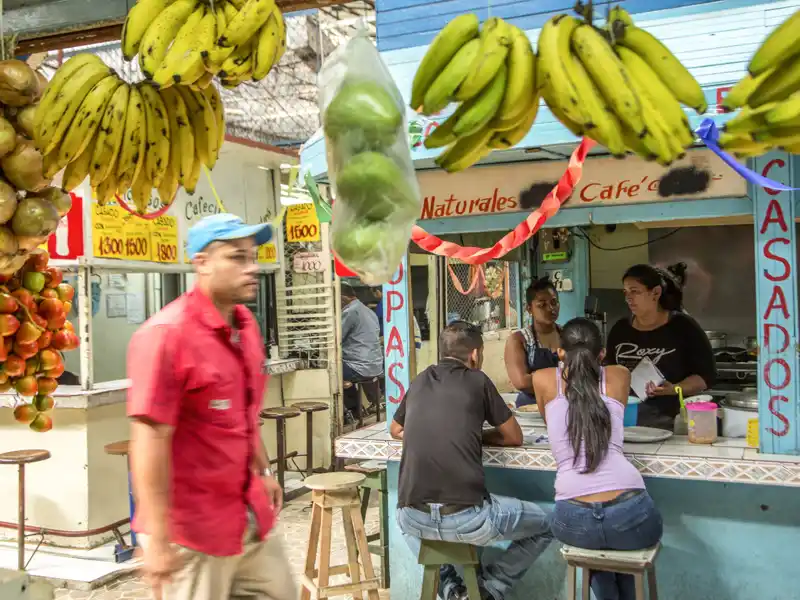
(34, 304)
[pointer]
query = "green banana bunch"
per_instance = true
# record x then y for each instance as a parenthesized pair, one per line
(768, 97)
(491, 73)
(495, 43)
(441, 91)
(439, 54)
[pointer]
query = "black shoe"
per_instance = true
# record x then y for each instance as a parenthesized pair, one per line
(457, 592)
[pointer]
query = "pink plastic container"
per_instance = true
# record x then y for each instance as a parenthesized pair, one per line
(702, 422)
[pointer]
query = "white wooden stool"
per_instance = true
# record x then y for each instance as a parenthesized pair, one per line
(337, 490)
(636, 563)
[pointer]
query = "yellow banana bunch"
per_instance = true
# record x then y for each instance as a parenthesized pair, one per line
(768, 97)
(491, 72)
(620, 87)
(188, 42)
(127, 137)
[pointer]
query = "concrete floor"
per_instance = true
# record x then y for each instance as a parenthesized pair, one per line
(295, 521)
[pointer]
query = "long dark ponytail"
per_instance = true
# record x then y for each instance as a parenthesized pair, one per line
(588, 419)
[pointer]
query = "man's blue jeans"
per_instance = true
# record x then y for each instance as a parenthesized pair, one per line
(633, 523)
(499, 519)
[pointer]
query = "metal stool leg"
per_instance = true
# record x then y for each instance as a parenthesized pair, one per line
(131, 502)
(280, 426)
(21, 522)
(310, 443)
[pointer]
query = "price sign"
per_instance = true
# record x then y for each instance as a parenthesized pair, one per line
(164, 239)
(137, 238)
(267, 253)
(302, 224)
(108, 237)
(307, 262)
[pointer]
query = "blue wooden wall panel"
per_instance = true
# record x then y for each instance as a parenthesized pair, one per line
(409, 23)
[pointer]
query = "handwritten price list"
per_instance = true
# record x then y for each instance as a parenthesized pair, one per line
(164, 238)
(118, 234)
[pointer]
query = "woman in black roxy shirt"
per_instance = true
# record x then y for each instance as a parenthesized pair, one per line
(660, 330)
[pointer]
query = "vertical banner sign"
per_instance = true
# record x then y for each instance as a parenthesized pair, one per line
(396, 343)
(776, 299)
(302, 224)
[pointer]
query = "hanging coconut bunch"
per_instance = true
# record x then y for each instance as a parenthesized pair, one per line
(30, 208)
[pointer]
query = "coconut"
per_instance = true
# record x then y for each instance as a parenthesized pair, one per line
(8, 137)
(14, 265)
(23, 167)
(8, 202)
(29, 243)
(34, 217)
(19, 85)
(42, 83)
(58, 198)
(23, 120)
(8, 242)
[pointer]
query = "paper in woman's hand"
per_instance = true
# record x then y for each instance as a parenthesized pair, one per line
(645, 372)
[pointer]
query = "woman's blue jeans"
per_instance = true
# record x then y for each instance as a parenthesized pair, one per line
(630, 523)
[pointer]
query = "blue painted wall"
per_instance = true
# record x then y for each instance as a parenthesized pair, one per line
(713, 39)
(721, 542)
(408, 23)
(577, 269)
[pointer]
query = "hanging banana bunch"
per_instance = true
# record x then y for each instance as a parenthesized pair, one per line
(620, 87)
(126, 137)
(491, 72)
(188, 42)
(768, 96)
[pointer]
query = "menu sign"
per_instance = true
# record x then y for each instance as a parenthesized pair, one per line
(116, 233)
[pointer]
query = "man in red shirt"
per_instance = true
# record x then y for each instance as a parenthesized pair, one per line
(206, 498)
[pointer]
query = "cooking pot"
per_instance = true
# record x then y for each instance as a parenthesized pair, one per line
(747, 399)
(751, 343)
(717, 339)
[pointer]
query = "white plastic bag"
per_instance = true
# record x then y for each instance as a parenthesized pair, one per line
(376, 196)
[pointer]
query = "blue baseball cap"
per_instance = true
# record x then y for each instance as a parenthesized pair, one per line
(224, 227)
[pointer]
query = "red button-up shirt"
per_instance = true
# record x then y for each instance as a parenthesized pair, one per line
(188, 370)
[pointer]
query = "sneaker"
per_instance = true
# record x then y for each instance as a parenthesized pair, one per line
(456, 592)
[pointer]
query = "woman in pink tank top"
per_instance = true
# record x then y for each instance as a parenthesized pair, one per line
(601, 502)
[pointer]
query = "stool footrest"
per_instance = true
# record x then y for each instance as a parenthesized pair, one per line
(434, 552)
(341, 589)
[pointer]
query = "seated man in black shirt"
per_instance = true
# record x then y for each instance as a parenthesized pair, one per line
(442, 494)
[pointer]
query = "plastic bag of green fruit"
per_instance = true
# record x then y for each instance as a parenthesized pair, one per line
(376, 196)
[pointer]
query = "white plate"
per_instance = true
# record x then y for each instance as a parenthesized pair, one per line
(645, 435)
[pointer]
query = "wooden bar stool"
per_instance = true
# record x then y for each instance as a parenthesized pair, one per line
(124, 552)
(635, 562)
(337, 490)
(22, 458)
(309, 408)
(433, 554)
(374, 472)
(279, 414)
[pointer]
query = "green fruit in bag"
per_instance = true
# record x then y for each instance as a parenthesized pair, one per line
(363, 114)
(360, 241)
(374, 187)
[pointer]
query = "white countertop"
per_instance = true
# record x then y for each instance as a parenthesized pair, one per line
(728, 460)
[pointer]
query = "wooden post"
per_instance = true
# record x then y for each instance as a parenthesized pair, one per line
(776, 302)
(397, 345)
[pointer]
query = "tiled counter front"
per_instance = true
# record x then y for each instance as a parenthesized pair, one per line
(728, 460)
